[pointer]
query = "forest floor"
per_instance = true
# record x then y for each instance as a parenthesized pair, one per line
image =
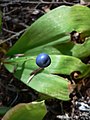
(17, 16)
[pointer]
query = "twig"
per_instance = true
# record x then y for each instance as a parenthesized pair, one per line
(45, 2)
(9, 31)
(33, 74)
(66, 117)
(23, 24)
(10, 12)
(12, 37)
(38, 2)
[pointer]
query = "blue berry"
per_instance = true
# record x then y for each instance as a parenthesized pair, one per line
(43, 60)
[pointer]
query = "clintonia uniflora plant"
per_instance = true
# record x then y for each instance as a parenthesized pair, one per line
(63, 37)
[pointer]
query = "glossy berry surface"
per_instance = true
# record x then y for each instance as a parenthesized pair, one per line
(43, 60)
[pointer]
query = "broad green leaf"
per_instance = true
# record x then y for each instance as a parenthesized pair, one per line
(43, 82)
(81, 50)
(54, 28)
(77, 50)
(52, 50)
(60, 64)
(46, 81)
(28, 111)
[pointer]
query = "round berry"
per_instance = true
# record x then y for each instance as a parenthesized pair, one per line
(43, 60)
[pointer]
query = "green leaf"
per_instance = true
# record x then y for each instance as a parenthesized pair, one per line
(28, 111)
(77, 50)
(46, 81)
(81, 50)
(60, 64)
(52, 50)
(54, 28)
